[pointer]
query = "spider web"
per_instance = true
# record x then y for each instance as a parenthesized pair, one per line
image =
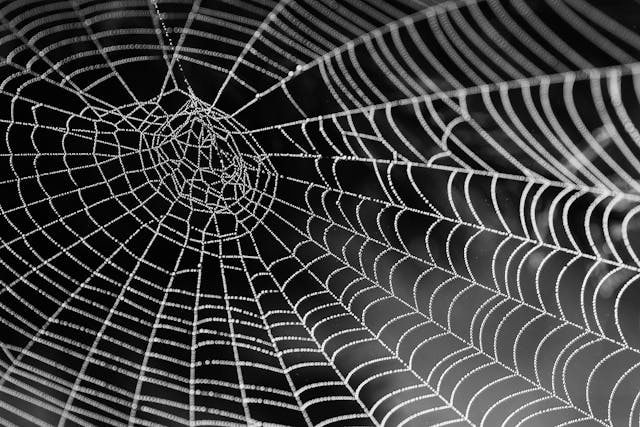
(319, 212)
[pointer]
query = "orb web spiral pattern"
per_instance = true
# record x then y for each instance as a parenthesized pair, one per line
(315, 212)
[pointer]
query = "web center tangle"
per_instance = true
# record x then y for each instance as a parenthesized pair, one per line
(208, 168)
(214, 167)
